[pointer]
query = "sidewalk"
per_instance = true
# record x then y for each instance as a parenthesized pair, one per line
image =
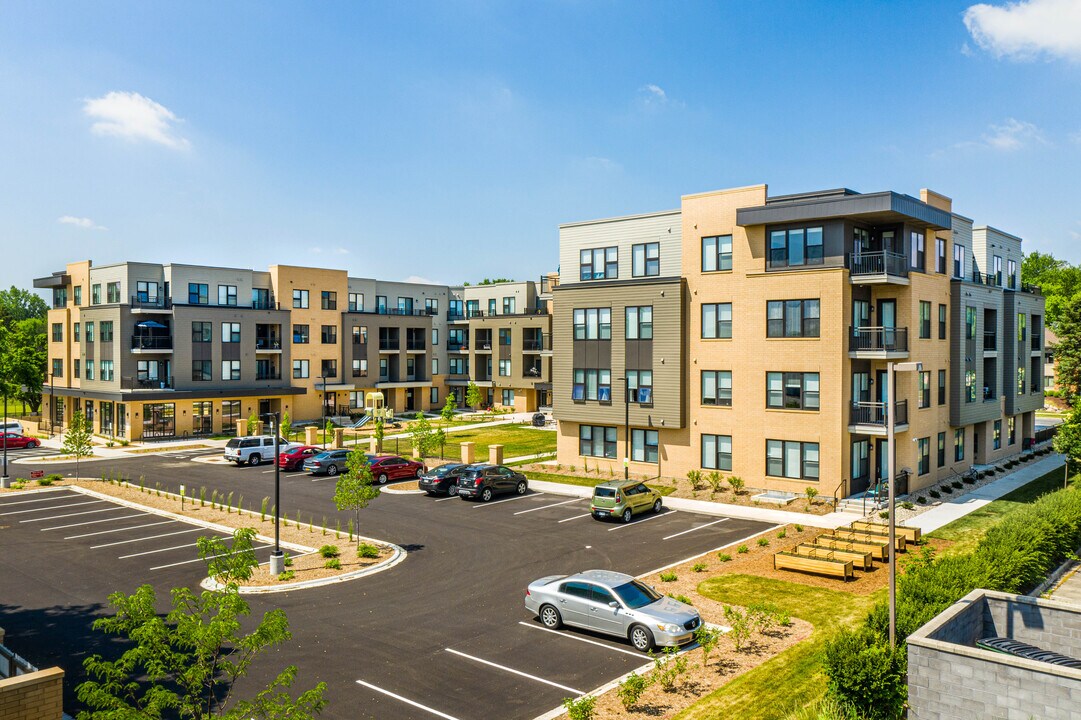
(958, 507)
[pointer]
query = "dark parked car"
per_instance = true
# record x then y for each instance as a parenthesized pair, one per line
(392, 467)
(330, 462)
(484, 481)
(442, 480)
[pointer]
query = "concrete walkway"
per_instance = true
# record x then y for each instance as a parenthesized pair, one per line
(1070, 589)
(960, 506)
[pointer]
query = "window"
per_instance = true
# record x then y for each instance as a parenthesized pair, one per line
(792, 459)
(958, 261)
(599, 264)
(940, 255)
(60, 297)
(300, 369)
(640, 323)
(300, 299)
(959, 445)
(435, 366)
(793, 391)
(597, 441)
(996, 435)
(918, 252)
(89, 369)
(591, 384)
(431, 306)
(328, 300)
(75, 368)
(508, 306)
(381, 304)
(201, 332)
(717, 320)
(106, 330)
(646, 260)
(924, 385)
(970, 323)
(435, 337)
(644, 445)
(58, 368)
(508, 398)
(77, 329)
(384, 369)
(997, 270)
(78, 295)
(405, 306)
(200, 371)
(328, 334)
(923, 455)
(1021, 334)
(95, 294)
(360, 367)
(146, 292)
(1021, 380)
(792, 318)
(230, 369)
(795, 247)
(941, 322)
(941, 387)
(106, 370)
(970, 386)
(226, 294)
(717, 452)
(640, 386)
(300, 334)
(925, 320)
(491, 306)
(58, 332)
(230, 332)
(328, 368)
(89, 332)
(112, 292)
(716, 253)
(360, 334)
(593, 324)
(504, 336)
(1011, 430)
(1011, 274)
(504, 368)
(717, 387)
(356, 302)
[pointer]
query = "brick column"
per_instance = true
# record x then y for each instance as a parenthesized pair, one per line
(468, 453)
(495, 454)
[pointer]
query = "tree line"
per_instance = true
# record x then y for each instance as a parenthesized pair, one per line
(23, 346)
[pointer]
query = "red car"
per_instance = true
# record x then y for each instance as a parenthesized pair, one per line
(294, 459)
(14, 441)
(392, 467)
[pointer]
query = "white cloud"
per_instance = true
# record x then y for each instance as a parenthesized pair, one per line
(595, 163)
(419, 280)
(1028, 29)
(134, 117)
(653, 97)
(657, 92)
(340, 251)
(1013, 135)
(81, 222)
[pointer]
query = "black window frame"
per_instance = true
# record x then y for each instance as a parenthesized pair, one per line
(198, 294)
(581, 330)
(780, 256)
(301, 336)
(611, 264)
(923, 389)
(609, 448)
(651, 261)
(941, 449)
(328, 299)
(810, 327)
(722, 329)
(942, 315)
(639, 325)
(642, 391)
(804, 447)
(923, 455)
(648, 452)
(328, 334)
(718, 399)
(233, 331)
(230, 295)
(925, 320)
(713, 259)
(720, 460)
(941, 387)
(202, 331)
(804, 394)
(202, 371)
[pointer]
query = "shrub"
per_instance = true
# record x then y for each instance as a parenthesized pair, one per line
(934, 493)
(699, 567)
(724, 557)
(367, 550)
(716, 482)
(742, 549)
(907, 505)
(695, 476)
(947, 489)
(631, 689)
(287, 575)
(782, 534)
(811, 494)
(667, 667)
(55, 477)
(737, 484)
(762, 542)
(45, 482)
(957, 484)
(866, 674)
(18, 484)
(333, 564)
(707, 638)
(668, 577)
(921, 500)
(885, 514)
(741, 625)
(288, 560)
(584, 708)
(680, 598)
(329, 551)
(799, 528)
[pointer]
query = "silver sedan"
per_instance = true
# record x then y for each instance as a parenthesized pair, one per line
(615, 604)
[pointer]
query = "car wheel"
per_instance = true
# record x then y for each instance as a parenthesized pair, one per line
(657, 506)
(641, 638)
(31, 445)
(550, 618)
(254, 459)
(486, 494)
(332, 470)
(452, 490)
(382, 478)
(627, 515)
(521, 487)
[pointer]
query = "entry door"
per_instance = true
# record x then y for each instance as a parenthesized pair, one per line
(410, 399)
(880, 383)
(264, 408)
(861, 387)
(883, 460)
(861, 467)
(887, 319)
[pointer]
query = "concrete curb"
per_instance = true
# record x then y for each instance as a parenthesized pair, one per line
(392, 491)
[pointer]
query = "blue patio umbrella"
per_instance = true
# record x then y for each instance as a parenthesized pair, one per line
(150, 324)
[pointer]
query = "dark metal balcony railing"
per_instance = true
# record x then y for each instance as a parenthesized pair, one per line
(537, 343)
(883, 262)
(147, 383)
(983, 278)
(269, 304)
(268, 375)
(457, 346)
(154, 303)
(988, 394)
(990, 341)
(416, 345)
(146, 342)
(532, 371)
(388, 345)
(455, 315)
(885, 339)
(268, 343)
(874, 413)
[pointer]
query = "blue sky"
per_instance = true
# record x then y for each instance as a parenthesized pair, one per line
(447, 140)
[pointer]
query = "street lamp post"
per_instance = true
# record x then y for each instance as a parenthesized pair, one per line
(891, 472)
(277, 558)
(626, 428)
(323, 412)
(5, 481)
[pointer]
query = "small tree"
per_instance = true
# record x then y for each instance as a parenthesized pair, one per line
(439, 437)
(379, 432)
(287, 426)
(473, 396)
(811, 494)
(737, 484)
(716, 482)
(707, 638)
(77, 440)
(420, 435)
(253, 423)
(447, 413)
(354, 489)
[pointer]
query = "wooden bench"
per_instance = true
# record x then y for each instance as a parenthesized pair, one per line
(911, 534)
(859, 560)
(862, 535)
(818, 566)
(878, 550)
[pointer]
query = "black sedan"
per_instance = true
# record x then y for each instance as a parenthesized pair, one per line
(442, 480)
(484, 481)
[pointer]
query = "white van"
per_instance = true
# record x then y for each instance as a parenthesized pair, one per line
(254, 450)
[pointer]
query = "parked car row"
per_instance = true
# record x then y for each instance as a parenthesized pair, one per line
(481, 481)
(294, 456)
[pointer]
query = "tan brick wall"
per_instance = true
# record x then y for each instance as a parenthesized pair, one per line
(34, 696)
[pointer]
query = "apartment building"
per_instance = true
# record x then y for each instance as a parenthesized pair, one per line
(771, 323)
(153, 351)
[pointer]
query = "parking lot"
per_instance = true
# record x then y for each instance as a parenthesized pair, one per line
(443, 634)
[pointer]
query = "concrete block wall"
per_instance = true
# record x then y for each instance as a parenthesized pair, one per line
(34, 696)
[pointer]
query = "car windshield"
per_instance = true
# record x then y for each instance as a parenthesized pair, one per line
(604, 492)
(321, 456)
(234, 443)
(635, 594)
(443, 470)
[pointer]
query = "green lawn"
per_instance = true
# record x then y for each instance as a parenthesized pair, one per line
(515, 440)
(590, 482)
(15, 407)
(966, 532)
(794, 678)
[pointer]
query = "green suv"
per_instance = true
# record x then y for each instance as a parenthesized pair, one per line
(623, 499)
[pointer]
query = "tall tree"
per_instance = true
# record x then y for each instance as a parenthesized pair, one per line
(1068, 353)
(17, 304)
(1058, 280)
(23, 357)
(354, 488)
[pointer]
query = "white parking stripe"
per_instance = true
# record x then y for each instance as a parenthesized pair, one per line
(582, 639)
(188, 562)
(47, 499)
(114, 530)
(296, 474)
(52, 507)
(151, 537)
(666, 513)
(519, 497)
(407, 701)
(694, 528)
(516, 672)
(545, 507)
(95, 522)
(85, 512)
(159, 550)
(448, 497)
(575, 517)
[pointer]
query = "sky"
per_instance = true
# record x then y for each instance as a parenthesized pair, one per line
(446, 141)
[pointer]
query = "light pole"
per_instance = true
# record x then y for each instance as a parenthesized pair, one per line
(323, 412)
(626, 427)
(891, 472)
(277, 558)
(5, 481)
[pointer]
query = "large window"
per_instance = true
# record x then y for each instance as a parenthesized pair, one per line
(77, 333)
(227, 295)
(328, 334)
(300, 369)
(792, 318)
(599, 264)
(997, 270)
(112, 292)
(970, 323)
(717, 387)
(1011, 274)
(640, 386)
(593, 324)
(58, 368)
(300, 334)
(200, 371)
(925, 320)
(923, 455)
(924, 388)
(230, 413)
(1021, 329)
(95, 298)
(459, 366)
(356, 302)
(89, 369)
(431, 306)
(504, 368)
(1011, 430)
(959, 445)
(996, 435)
(795, 247)
(717, 452)
(640, 323)
(230, 332)
(360, 367)
(146, 291)
(106, 331)
(646, 260)
(78, 292)
(941, 322)
(792, 459)
(716, 253)
(328, 368)
(970, 386)
(644, 445)
(507, 399)
(792, 390)
(597, 441)
(201, 332)
(58, 332)
(106, 370)
(509, 306)
(89, 332)
(328, 300)
(360, 334)
(716, 320)
(300, 299)
(958, 261)
(919, 252)
(592, 384)
(198, 294)
(159, 420)
(230, 369)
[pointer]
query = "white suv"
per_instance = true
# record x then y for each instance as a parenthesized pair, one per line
(253, 450)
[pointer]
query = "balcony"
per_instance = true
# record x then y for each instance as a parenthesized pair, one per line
(983, 279)
(458, 346)
(873, 268)
(547, 284)
(268, 344)
(988, 394)
(151, 344)
(869, 418)
(142, 382)
(148, 303)
(415, 346)
(389, 346)
(268, 374)
(532, 372)
(990, 341)
(873, 343)
(267, 304)
(536, 343)
(455, 315)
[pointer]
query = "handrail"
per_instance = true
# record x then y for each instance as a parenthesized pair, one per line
(882, 262)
